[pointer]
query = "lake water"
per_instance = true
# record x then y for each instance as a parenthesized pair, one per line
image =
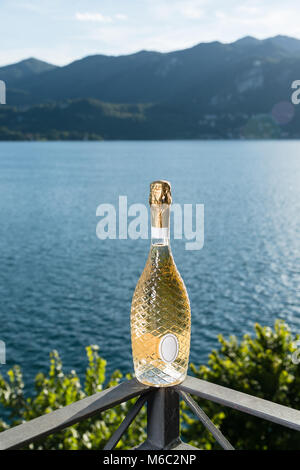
(63, 288)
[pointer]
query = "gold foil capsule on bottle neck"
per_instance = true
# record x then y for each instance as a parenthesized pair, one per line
(160, 192)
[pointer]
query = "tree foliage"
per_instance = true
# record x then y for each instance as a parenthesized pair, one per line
(260, 366)
(57, 390)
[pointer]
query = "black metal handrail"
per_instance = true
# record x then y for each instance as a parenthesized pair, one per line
(163, 430)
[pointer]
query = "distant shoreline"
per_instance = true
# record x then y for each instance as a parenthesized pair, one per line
(208, 139)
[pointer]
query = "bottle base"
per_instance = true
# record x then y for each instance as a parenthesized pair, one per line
(156, 378)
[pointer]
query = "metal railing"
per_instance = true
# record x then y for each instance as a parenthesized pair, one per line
(163, 430)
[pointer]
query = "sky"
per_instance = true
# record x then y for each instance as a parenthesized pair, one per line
(60, 31)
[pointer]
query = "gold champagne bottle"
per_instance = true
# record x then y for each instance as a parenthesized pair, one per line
(160, 310)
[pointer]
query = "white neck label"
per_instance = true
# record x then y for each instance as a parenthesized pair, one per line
(157, 232)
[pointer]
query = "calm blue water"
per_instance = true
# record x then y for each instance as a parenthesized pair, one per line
(62, 288)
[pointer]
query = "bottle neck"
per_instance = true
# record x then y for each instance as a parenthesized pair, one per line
(160, 224)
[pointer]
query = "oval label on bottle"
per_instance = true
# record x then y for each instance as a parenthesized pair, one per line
(168, 348)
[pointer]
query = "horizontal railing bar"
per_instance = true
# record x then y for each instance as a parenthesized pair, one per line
(209, 425)
(250, 404)
(133, 412)
(57, 420)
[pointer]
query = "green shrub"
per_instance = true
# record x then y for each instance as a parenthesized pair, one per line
(261, 366)
(59, 389)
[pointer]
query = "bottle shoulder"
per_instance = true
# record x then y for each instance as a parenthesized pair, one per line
(160, 275)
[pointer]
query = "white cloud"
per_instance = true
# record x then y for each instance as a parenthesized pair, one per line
(31, 7)
(99, 18)
(94, 17)
(121, 16)
(260, 22)
(189, 9)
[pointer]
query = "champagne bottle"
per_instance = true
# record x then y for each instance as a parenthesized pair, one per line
(160, 310)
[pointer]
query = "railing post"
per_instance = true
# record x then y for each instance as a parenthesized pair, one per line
(162, 419)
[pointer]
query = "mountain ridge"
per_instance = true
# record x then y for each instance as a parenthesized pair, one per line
(26, 67)
(280, 39)
(147, 76)
(247, 77)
